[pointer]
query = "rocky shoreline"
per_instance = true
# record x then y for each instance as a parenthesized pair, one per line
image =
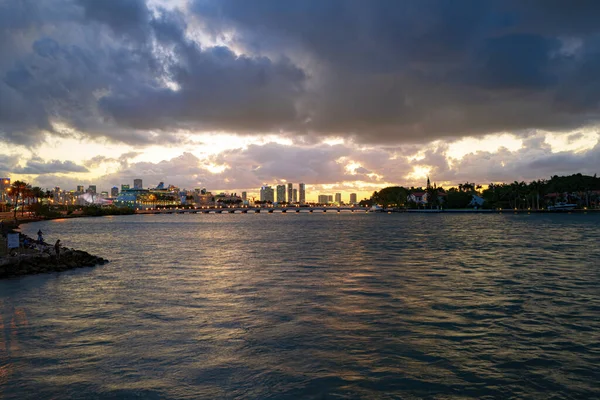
(41, 258)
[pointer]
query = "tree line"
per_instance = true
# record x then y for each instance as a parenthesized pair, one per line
(583, 190)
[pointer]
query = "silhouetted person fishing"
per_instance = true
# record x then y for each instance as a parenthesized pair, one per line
(57, 249)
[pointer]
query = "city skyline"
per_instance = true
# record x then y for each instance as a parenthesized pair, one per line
(476, 100)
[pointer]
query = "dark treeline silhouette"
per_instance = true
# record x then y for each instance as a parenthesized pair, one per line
(582, 190)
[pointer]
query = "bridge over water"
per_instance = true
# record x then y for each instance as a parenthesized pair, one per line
(252, 210)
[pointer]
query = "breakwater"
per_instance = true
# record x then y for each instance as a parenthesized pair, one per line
(41, 258)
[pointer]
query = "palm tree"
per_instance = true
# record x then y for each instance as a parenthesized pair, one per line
(27, 194)
(17, 189)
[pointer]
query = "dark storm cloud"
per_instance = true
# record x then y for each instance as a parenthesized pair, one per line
(120, 71)
(381, 71)
(39, 166)
(393, 70)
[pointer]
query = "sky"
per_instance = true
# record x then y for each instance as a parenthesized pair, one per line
(343, 95)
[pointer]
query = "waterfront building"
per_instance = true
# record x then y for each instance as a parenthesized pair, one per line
(203, 198)
(323, 199)
(92, 189)
(124, 187)
(295, 195)
(244, 196)
(4, 190)
(338, 198)
(330, 198)
(227, 199)
(280, 193)
(267, 193)
(137, 184)
(302, 193)
(114, 192)
(80, 189)
(353, 198)
(290, 191)
(148, 198)
(104, 194)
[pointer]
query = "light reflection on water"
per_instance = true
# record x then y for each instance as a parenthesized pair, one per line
(311, 306)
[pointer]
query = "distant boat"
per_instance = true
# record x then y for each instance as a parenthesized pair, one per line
(562, 207)
(376, 208)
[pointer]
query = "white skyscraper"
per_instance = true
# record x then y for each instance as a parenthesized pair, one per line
(290, 191)
(338, 198)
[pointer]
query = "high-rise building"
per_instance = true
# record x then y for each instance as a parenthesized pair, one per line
(323, 199)
(302, 193)
(137, 184)
(353, 198)
(124, 187)
(295, 195)
(267, 193)
(244, 196)
(281, 193)
(114, 192)
(330, 198)
(338, 198)
(80, 189)
(290, 191)
(92, 189)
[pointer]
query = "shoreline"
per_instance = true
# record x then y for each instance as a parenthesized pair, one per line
(38, 258)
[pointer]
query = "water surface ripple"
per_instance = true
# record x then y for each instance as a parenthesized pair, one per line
(310, 306)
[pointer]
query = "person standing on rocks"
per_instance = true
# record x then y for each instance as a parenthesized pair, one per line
(57, 249)
(40, 237)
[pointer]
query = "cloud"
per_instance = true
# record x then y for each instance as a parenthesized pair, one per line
(379, 72)
(36, 166)
(391, 71)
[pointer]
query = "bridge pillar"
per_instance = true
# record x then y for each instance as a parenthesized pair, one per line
(270, 211)
(310, 210)
(297, 211)
(231, 211)
(244, 211)
(219, 211)
(324, 210)
(284, 211)
(257, 211)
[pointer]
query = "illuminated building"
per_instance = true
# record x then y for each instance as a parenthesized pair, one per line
(302, 193)
(295, 195)
(124, 187)
(267, 193)
(80, 189)
(137, 184)
(148, 198)
(280, 193)
(5, 189)
(338, 198)
(114, 192)
(323, 199)
(290, 191)
(92, 189)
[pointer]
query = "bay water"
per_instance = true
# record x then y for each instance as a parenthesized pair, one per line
(348, 305)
